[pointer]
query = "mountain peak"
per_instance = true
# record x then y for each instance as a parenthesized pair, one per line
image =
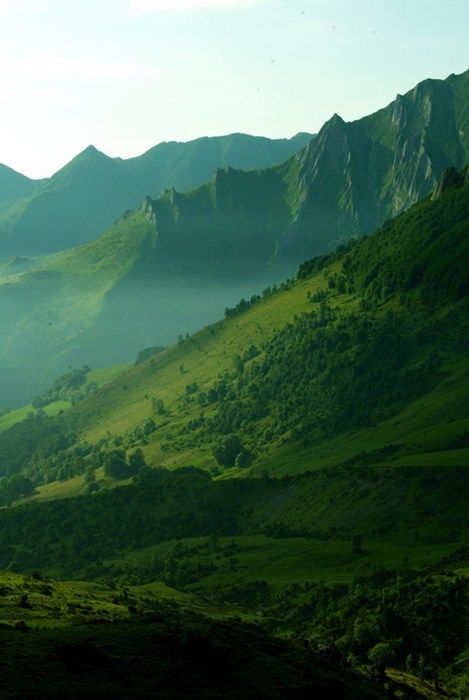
(335, 122)
(91, 150)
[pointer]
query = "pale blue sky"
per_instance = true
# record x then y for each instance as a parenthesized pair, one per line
(126, 74)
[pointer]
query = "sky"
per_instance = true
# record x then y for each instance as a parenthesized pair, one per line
(127, 74)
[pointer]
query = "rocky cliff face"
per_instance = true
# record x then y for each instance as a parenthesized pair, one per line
(356, 175)
(350, 179)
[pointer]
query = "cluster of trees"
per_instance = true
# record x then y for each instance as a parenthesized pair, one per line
(245, 304)
(229, 451)
(37, 439)
(146, 353)
(72, 386)
(139, 435)
(327, 372)
(75, 533)
(385, 618)
(40, 450)
(14, 487)
(119, 466)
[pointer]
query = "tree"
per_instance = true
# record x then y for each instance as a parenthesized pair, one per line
(226, 451)
(357, 542)
(380, 656)
(137, 460)
(90, 475)
(149, 426)
(242, 459)
(115, 465)
(158, 407)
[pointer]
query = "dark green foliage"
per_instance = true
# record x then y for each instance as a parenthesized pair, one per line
(156, 649)
(227, 450)
(324, 373)
(38, 437)
(423, 505)
(357, 542)
(391, 617)
(158, 407)
(13, 487)
(71, 386)
(117, 467)
(336, 369)
(148, 352)
(425, 249)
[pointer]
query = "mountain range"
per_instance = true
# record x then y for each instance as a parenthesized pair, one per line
(84, 197)
(173, 264)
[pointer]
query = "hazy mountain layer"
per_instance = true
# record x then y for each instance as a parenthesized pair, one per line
(83, 198)
(348, 180)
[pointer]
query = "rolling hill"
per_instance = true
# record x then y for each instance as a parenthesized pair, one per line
(83, 198)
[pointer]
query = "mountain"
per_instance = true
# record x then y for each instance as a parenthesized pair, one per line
(13, 185)
(173, 265)
(302, 461)
(349, 179)
(372, 336)
(392, 305)
(83, 198)
(103, 302)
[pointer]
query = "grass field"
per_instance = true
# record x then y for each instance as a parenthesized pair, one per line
(19, 414)
(100, 376)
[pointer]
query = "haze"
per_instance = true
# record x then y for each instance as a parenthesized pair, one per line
(127, 74)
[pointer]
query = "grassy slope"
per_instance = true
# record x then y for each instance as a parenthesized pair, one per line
(424, 426)
(100, 376)
(46, 312)
(422, 249)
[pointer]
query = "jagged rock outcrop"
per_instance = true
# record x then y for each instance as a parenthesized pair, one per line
(451, 178)
(350, 179)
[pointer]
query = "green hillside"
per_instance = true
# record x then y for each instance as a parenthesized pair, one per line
(83, 198)
(391, 313)
(302, 461)
(361, 357)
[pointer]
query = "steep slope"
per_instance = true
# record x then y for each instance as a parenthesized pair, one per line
(348, 180)
(14, 185)
(391, 306)
(361, 358)
(227, 239)
(86, 195)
